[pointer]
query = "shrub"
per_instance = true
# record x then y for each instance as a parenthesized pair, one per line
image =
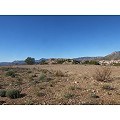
(40, 94)
(116, 64)
(2, 93)
(59, 73)
(29, 71)
(69, 95)
(42, 77)
(103, 74)
(11, 73)
(72, 87)
(30, 61)
(107, 87)
(42, 62)
(91, 62)
(4, 68)
(76, 62)
(93, 95)
(60, 61)
(13, 94)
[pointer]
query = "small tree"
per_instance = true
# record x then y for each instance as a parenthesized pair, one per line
(30, 61)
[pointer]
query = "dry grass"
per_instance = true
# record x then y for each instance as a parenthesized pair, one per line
(61, 84)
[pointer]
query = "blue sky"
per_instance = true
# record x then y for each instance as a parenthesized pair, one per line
(58, 36)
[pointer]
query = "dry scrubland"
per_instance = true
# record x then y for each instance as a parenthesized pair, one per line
(60, 84)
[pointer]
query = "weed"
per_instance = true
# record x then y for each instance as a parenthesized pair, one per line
(42, 77)
(11, 73)
(93, 95)
(69, 95)
(40, 94)
(59, 73)
(72, 87)
(2, 93)
(13, 94)
(103, 74)
(108, 87)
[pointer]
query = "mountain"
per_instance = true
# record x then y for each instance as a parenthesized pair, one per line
(19, 62)
(5, 63)
(88, 58)
(113, 56)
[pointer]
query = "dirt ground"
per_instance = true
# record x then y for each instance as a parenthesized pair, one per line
(60, 85)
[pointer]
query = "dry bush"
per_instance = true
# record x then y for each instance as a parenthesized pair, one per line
(59, 73)
(103, 74)
(108, 87)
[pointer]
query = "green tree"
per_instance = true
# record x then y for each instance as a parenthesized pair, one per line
(30, 61)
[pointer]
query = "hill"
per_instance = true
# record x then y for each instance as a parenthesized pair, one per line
(113, 56)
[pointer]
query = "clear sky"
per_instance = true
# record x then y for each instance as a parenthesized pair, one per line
(58, 36)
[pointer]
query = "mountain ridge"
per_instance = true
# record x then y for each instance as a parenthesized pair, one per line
(112, 56)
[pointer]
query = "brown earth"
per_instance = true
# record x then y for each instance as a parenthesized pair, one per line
(59, 85)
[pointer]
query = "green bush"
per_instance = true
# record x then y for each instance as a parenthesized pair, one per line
(13, 94)
(30, 61)
(91, 62)
(2, 93)
(60, 61)
(69, 95)
(42, 77)
(43, 62)
(11, 73)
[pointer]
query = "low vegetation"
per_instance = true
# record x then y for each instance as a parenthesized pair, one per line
(59, 73)
(103, 74)
(91, 62)
(69, 95)
(13, 94)
(11, 73)
(107, 87)
(59, 85)
(2, 93)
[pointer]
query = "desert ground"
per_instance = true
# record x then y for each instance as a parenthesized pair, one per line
(59, 85)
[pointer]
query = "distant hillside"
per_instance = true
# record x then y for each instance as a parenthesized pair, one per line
(88, 58)
(19, 62)
(113, 56)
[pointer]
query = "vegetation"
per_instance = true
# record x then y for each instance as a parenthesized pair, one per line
(40, 94)
(42, 77)
(59, 85)
(76, 62)
(30, 61)
(59, 73)
(11, 73)
(2, 93)
(13, 94)
(43, 62)
(69, 95)
(93, 95)
(116, 64)
(103, 74)
(91, 62)
(60, 61)
(107, 87)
